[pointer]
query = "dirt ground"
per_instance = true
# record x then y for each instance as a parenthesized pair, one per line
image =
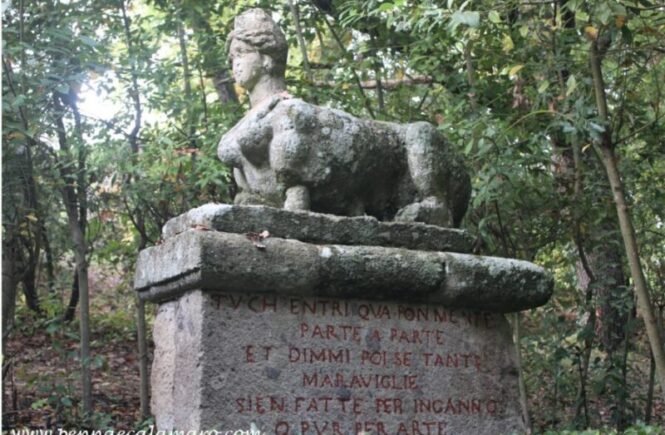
(41, 382)
(41, 390)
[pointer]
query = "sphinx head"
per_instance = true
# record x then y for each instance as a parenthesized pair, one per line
(257, 49)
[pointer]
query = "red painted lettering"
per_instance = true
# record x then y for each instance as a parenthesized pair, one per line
(371, 311)
(282, 428)
(249, 355)
(370, 427)
(388, 406)
(377, 358)
(415, 427)
(260, 404)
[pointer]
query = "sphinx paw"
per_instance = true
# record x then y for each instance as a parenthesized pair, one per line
(430, 210)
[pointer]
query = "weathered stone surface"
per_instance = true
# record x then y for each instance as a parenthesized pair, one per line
(258, 51)
(320, 228)
(288, 153)
(293, 365)
(345, 165)
(176, 374)
(217, 261)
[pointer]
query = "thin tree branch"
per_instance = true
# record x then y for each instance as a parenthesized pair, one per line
(134, 90)
(388, 85)
(353, 70)
(301, 40)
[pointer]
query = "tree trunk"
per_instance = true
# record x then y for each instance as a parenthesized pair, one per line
(70, 312)
(602, 256)
(608, 158)
(187, 77)
(50, 268)
(301, 40)
(139, 221)
(628, 234)
(522, 385)
(84, 315)
(585, 357)
(9, 285)
(30, 287)
(652, 372)
(470, 76)
(605, 262)
(223, 84)
(76, 220)
(648, 407)
(599, 268)
(33, 244)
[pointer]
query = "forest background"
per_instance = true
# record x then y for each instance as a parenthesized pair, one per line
(111, 114)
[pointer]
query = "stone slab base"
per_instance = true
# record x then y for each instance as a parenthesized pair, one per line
(302, 323)
(218, 261)
(319, 228)
(312, 365)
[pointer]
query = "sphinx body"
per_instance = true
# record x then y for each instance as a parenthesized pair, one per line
(292, 154)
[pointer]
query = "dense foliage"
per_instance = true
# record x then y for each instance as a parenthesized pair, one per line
(112, 110)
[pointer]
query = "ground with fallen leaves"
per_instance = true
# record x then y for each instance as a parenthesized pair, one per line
(41, 386)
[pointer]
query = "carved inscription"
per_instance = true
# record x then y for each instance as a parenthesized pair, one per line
(324, 366)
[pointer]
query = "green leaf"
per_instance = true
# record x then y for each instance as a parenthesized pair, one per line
(573, 5)
(571, 85)
(63, 88)
(39, 404)
(468, 147)
(596, 127)
(604, 13)
(98, 362)
(568, 128)
(512, 72)
(543, 86)
(507, 43)
(581, 16)
(469, 18)
(627, 35)
(385, 7)
(494, 17)
(18, 101)
(88, 41)
(52, 328)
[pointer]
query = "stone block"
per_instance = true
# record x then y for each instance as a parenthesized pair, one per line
(320, 227)
(216, 261)
(312, 365)
(331, 325)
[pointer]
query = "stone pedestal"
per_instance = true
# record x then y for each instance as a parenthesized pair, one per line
(303, 323)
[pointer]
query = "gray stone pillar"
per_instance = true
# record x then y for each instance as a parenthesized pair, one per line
(293, 322)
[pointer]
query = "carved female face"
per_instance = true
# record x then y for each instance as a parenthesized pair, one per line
(247, 64)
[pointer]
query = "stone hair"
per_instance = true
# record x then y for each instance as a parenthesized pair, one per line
(256, 28)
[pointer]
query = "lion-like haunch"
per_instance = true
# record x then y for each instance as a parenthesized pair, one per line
(292, 154)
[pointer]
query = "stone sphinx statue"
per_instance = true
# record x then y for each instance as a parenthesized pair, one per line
(288, 153)
(235, 340)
